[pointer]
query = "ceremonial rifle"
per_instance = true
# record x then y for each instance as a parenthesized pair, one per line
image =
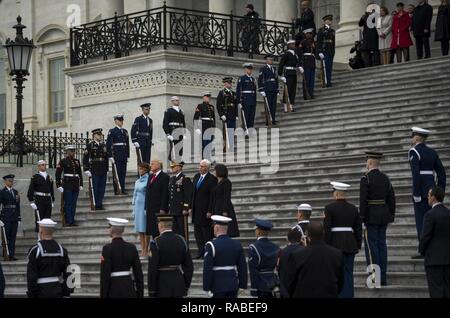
(91, 194)
(268, 114)
(5, 244)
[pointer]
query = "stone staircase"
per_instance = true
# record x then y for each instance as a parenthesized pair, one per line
(323, 140)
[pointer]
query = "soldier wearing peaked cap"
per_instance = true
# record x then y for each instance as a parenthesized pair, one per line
(287, 71)
(170, 266)
(173, 124)
(205, 118)
(326, 44)
(377, 210)
(224, 267)
(424, 163)
(268, 85)
(343, 230)
(227, 108)
(142, 133)
(10, 216)
(119, 264)
(262, 260)
(96, 165)
(48, 266)
(307, 52)
(246, 94)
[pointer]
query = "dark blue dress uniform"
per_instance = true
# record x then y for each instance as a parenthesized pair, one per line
(10, 216)
(227, 106)
(289, 64)
(262, 261)
(95, 160)
(118, 146)
(268, 83)
(246, 96)
(142, 133)
(41, 193)
(69, 176)
(180, 197)
(326, 44)
(424, 161)
(307, 51)
(206, 115)
(224, 267)
(173, 120)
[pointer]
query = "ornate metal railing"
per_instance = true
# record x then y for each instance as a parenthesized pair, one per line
(45, 145)
(166, 27)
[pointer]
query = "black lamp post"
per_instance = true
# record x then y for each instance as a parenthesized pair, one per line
(19, 56)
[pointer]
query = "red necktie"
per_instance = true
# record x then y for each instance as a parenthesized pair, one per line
(153, 179)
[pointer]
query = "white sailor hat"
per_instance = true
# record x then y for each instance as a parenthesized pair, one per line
(119, 117)
(206, 94)
(70, 147)
(340, 186)
(304, 207)
(420, 131)
(117, 222)
(247, 65)
(311, 30)
(47, 223)
(290, 42)
(175, 98)
(220, 220)
(41, 162)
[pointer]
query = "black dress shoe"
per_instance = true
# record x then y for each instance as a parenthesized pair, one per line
(418, 256)
(100, 209)
(124, 193)
(13, 259)
(198, 257)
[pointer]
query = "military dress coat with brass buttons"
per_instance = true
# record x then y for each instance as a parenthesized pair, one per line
(73, 178)
(180, 197)
(95, 158)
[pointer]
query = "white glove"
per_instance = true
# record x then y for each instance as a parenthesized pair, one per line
(53, 205)
(301, 70)
(170, 138)
(112, 160)
(263, 94)
(136, 144)
(417, 199)
(198, 131)
(321, 56)
(61, 189)
(240, 106)
(18, 224)
(88, 173)
(283, 79)
(33, 206)
(224, 118)
(2, 224)
(81, 188)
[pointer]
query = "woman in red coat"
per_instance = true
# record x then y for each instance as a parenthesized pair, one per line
(401, 38)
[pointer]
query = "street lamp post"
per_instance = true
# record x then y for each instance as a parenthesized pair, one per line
(19, 55)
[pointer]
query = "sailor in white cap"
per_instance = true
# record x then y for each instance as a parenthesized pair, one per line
(307, 53)
(174, 124)
(40, 193)
(424, 163)
(69, 181)
(343, 230)
(118, 147)
(246, 95)
(304, 211)
(119, 264)
(287, 71)
(204, 119)
(224, 267)
(48, 262)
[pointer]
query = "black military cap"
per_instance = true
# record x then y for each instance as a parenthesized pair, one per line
(250, 6)
(97, 131)
(374, 155)
(227, 80)
(163, 217)
(176, 164)
(328, 17)
(146, 105)
(9, 176)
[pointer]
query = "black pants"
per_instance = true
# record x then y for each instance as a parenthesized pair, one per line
(203, 234)
(445, 47)
(291, 83)
(438, 281)
(423, 43)
(178, 225)
(262, 294)
(230, 294)
(44, 211)
(173, 152)
(404, 51)
(371, 57)
(146, 154)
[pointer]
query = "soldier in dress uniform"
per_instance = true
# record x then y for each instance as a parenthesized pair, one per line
(120, 263)
(227, 108)
(170, 266)
(262, 261)
(47, 269)
(224, 267)
(304, 212)
(307, 51)
(95, 165)
(180, 197)
(173, 121)
(246, 95)
(268, 85)
(40, 193)
(142, 133)
(10, 214)
(326, 46)
(343, 230)
(287, 71)
(205, 117)
(118, 146)
(69, 180)
(377, 210)
(424, 162)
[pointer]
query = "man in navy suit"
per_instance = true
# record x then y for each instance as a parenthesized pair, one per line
(10, 214)
(142, 133)
(268, 85)
(424, 162)
(435, 245)
(118, 146)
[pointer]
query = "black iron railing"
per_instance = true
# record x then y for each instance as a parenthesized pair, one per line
(46, 145)
(166, 27)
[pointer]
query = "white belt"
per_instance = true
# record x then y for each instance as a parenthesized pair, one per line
(271, 80)
(341, 229)
(426, 173)
(71, 175)
(120, 144)
(290, 68)
(47, 280)
(143, 134)
(42, 194)
(248, 92)
(120, 274)
(210, 119)
(175, 124)
(308, 54)
(224, 268)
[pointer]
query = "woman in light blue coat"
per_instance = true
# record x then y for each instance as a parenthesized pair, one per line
(139, 214)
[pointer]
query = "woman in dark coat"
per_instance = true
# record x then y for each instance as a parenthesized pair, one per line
(221, 199)
(443, 26)
(369, 46)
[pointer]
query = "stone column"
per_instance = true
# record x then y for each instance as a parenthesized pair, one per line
(221, 6)
(281, 10)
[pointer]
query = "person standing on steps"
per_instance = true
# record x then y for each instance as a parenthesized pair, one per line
(308, 61)
(173, 124)
(205, 118)
(268, 86)
(424, 161)
(118, 146)
(304, 212)
(246, 95)
(287, 72)
(227, 108)
(369, 46)
(139, 214)
(10, 215)
(443, 26)
(306, 20)
(377, 210)
(421, 27)
(401, 36)
(385, 35)
(326, 47)
(142, 133)
(435, 245)
(343, 230)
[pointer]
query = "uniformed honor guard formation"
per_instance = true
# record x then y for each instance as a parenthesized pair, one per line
(118, 147)
(9, 218)
(142, 134)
